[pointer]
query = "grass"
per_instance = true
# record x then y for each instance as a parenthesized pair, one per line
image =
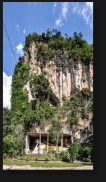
(40, 156)
(45, 164)
(34, 157)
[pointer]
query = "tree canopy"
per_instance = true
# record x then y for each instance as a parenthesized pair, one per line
(52, 41)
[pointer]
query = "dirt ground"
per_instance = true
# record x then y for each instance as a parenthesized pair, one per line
(27, 167)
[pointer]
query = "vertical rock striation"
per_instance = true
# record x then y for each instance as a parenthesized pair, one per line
(64, 75)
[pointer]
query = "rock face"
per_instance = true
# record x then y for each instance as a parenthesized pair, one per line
(64, 75)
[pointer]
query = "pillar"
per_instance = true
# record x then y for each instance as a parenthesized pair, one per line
(47, 141)
(62, 141)
(72, 139)
(27, 144)
(57, 146)
(39, 150)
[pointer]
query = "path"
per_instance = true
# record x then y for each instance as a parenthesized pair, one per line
(28, 167)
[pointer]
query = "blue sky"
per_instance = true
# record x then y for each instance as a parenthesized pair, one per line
(22, 18)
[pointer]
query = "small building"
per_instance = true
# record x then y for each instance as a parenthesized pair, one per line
(39, 143)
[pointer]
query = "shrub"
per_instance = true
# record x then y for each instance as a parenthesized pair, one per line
(46, 159)
(73, 151)
(85, 151)
(36, 159)
(64, 98)
(64, 157)
(43, 51)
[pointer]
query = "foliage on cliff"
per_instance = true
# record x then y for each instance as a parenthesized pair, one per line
(19, 79)
(22, 110)
(24, 115)
(52, 41)
(40, 88)
(21, 117)
(13, 135)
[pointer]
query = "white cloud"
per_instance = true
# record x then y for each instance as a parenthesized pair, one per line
(84, 10)
(63, 15)
(90, 4)
(24, 31)
(7, 80)
(65, 7)
(54, 6)
(58, 22)
(19, 49)
(18, 28)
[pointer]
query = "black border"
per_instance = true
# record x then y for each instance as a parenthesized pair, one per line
(99, 111)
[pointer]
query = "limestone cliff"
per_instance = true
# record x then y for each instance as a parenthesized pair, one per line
(64, 74)
(65, 77)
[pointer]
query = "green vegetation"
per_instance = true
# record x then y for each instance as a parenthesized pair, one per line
(23, 115)
(40, 87)
(16, 123)
(73, 151)
(44, 164)
(13, 135)
(80, 105)
(85, 151)
(52, 43)
(19, 79)
(65, 157)
(45, 52)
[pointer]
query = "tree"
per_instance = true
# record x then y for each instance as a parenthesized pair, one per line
(43, 52)
(8, 145)
(86, 98)
(19, 134)
(86, 151)
(78, 106)
(19, 79)
(43, 36)
(43, 114)
(66, 35)
(77, 40)
(71, 112)
(7, 129)
(87, 52)
(40, 87)
(8, 140)
(55, 133)
(73, 151)
(53, 39)
(56, 127)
